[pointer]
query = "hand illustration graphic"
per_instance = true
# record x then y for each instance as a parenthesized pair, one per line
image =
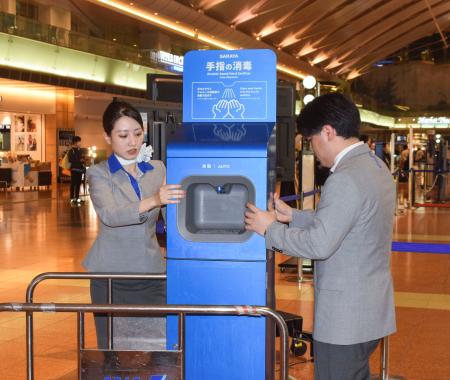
(228, 109)
(220, 110)
(230, 132)
(228, 94)
(235, 109)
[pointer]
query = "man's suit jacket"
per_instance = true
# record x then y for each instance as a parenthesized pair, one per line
(126, 241)
(349, 237)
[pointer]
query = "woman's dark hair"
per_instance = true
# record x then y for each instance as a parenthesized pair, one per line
(117, 109)
(332, 109)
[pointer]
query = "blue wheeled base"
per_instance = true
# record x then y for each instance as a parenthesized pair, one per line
(219, 347)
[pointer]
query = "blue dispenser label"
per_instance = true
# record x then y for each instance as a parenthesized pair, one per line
(229, 85)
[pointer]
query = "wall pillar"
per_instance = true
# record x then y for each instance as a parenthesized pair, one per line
(8, 6)
(50, 144)
(62, 119)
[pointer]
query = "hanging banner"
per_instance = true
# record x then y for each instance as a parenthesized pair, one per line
(229, 86)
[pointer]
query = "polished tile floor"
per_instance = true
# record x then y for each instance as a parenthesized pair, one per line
(40, 232)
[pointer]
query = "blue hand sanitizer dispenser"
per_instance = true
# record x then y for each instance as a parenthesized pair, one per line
(224, 157)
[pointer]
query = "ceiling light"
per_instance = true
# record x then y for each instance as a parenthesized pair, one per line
(291, 72)
(308, 98)
(212, 41)
(309, 82)
(153, 18)
(149, 17)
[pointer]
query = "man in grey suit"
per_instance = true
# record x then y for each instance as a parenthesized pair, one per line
(348, 237)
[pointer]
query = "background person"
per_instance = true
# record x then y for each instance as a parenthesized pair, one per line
(348, 236)
(387, 155)
(77, 169)
(403, 164)
(420, 155)
(127, 191)
(404, 158)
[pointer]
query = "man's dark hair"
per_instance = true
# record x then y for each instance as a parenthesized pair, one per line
(332, 109)
(364, 138)
(75, 139)
(115, 111)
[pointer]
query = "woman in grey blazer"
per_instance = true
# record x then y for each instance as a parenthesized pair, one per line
(127, 192)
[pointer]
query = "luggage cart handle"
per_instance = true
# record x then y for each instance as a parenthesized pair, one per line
(182, 310)
(78, 276)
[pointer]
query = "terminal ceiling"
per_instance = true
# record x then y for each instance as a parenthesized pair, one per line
(326, 38)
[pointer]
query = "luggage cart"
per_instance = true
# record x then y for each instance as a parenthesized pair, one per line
(173, 368)
(109, 277)
(111, 363)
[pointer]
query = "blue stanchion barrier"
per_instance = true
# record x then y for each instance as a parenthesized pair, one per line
(398, 246)
(310, 193)
(402, 246)
(160, 227)
(430, 171)
(160, 223)
(289, 198)
(421, 171)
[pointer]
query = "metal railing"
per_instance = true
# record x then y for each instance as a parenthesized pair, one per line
(38, 31)
(29, 307)
(427, 186)
(78, 276)
(384, 359)
(180, 310)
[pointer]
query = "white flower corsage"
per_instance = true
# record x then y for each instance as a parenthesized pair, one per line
(145, 153)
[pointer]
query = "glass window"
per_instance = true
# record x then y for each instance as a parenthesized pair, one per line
(27, 8)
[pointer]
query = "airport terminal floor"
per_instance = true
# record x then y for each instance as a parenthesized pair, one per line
(41, 232)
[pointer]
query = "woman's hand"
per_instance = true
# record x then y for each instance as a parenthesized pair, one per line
(167, 194)
(170, 194)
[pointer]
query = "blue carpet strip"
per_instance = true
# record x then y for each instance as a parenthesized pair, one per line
(402, 246)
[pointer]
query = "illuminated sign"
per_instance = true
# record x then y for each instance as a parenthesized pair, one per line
(434, 120)
(173, 60)
(229, 86)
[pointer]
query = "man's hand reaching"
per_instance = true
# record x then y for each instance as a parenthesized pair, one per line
(282, 211)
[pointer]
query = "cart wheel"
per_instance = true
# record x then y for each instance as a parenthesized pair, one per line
(298, 347)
